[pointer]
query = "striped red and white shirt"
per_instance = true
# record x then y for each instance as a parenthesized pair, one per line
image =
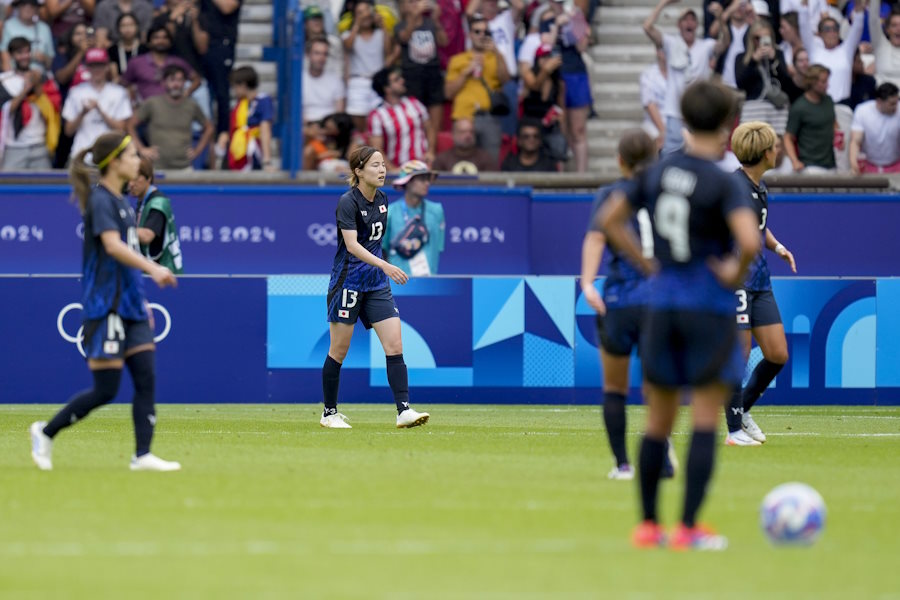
(402, 126)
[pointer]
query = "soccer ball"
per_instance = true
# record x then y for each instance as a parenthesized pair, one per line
(792, 513)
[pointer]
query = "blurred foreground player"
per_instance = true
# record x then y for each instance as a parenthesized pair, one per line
(705, 236)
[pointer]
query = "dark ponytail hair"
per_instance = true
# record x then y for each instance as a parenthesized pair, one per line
(80, 172)
(358, 160)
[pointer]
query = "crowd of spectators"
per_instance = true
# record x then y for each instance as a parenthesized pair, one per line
(161, 70)
(463, 85)
(823, 73)
(453, 83)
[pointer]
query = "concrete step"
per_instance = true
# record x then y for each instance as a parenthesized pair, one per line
(608, 129)
(635, 14)
(619, 112)
(620, 92)
(614, 35)
(604, 72)
(643, 54)
(257, 13)
(248, 52)
(255, 33)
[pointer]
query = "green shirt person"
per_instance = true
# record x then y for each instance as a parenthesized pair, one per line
(414, 238)
(157, 232)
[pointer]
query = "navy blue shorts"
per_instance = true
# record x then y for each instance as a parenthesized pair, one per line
(690, 348)
(113, 336)
(578, 90)
(619, 330)
(756, 309)
(426, 85)
(346, 306)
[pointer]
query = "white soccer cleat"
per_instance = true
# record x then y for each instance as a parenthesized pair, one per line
(752, 429)
(335, 421)
(151, 462)
(621, 473)
(740, 438)
(411, 418)
(41, 446)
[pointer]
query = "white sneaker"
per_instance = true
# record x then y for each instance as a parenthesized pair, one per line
(752, 429)
(335, 421)
(151, 462)
(41, 446)
(740, 438)
(411, 418)
(622, 473)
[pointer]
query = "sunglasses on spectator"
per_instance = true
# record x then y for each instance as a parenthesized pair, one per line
(480, 32)
(830, 29)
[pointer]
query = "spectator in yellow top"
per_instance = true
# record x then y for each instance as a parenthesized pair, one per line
(472, 77)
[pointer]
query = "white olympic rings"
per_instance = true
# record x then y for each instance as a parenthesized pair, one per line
(78, 338)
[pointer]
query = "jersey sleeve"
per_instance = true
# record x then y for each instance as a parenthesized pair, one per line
(736, 195)
(104, 216)
(346, 213)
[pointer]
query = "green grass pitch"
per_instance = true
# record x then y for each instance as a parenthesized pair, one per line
(505, 502)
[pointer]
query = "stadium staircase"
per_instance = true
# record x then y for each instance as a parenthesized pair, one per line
(255, 33)
(616, 61)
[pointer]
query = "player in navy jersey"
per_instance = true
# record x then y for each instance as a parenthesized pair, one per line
(621, 309)
(359, 288)
(704, 236)
(117, 328)
(757, 313)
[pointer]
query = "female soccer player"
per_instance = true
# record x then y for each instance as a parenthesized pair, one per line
(621, 309)
(754, 145)
(704, 236)
(116, 323)
(359, 288)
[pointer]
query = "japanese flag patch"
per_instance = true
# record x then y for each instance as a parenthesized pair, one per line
(343, 314)
(743, 319)
(382, 208)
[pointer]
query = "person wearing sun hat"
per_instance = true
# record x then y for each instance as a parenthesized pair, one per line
(414, 238)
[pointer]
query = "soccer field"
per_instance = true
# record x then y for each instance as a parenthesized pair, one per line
(483, 502)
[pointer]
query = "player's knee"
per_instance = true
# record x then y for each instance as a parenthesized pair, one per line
(143, 371)
(393, 347)
(779, 355)
(338, 351)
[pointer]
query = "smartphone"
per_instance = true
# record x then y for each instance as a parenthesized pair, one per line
(765, 41)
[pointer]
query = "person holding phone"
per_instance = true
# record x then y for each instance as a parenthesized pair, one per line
(761, 72)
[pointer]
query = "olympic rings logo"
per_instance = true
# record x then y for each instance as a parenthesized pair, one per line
(78, 338)
(323, 235)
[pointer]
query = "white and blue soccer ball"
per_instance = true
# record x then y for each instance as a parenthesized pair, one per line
(792, 513)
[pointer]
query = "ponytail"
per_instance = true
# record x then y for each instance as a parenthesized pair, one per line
(80, 176)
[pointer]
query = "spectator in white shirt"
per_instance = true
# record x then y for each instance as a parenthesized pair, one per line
(653, 96)
(367, 48)
(688, 60)
(323, 93)
(95, 107)
(828, 50)
(886, 44)
(741, 19)
(875, 137)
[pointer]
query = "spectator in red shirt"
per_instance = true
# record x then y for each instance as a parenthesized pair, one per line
(399, 125)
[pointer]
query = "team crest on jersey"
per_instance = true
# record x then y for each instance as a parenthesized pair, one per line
(343, 314)
(382, 208)
(364, 213)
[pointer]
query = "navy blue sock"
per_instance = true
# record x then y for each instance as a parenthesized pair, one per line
(142, 367)
(398, 379)
(734, 410)
(106, 384)
(760, 379)
(701, 458)
(614, 419)
(653, 453)
(331, 381)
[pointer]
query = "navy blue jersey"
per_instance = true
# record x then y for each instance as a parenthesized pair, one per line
(688, 199)
(758, 277)
(369, 219)
(110, 286)
(625, 285)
